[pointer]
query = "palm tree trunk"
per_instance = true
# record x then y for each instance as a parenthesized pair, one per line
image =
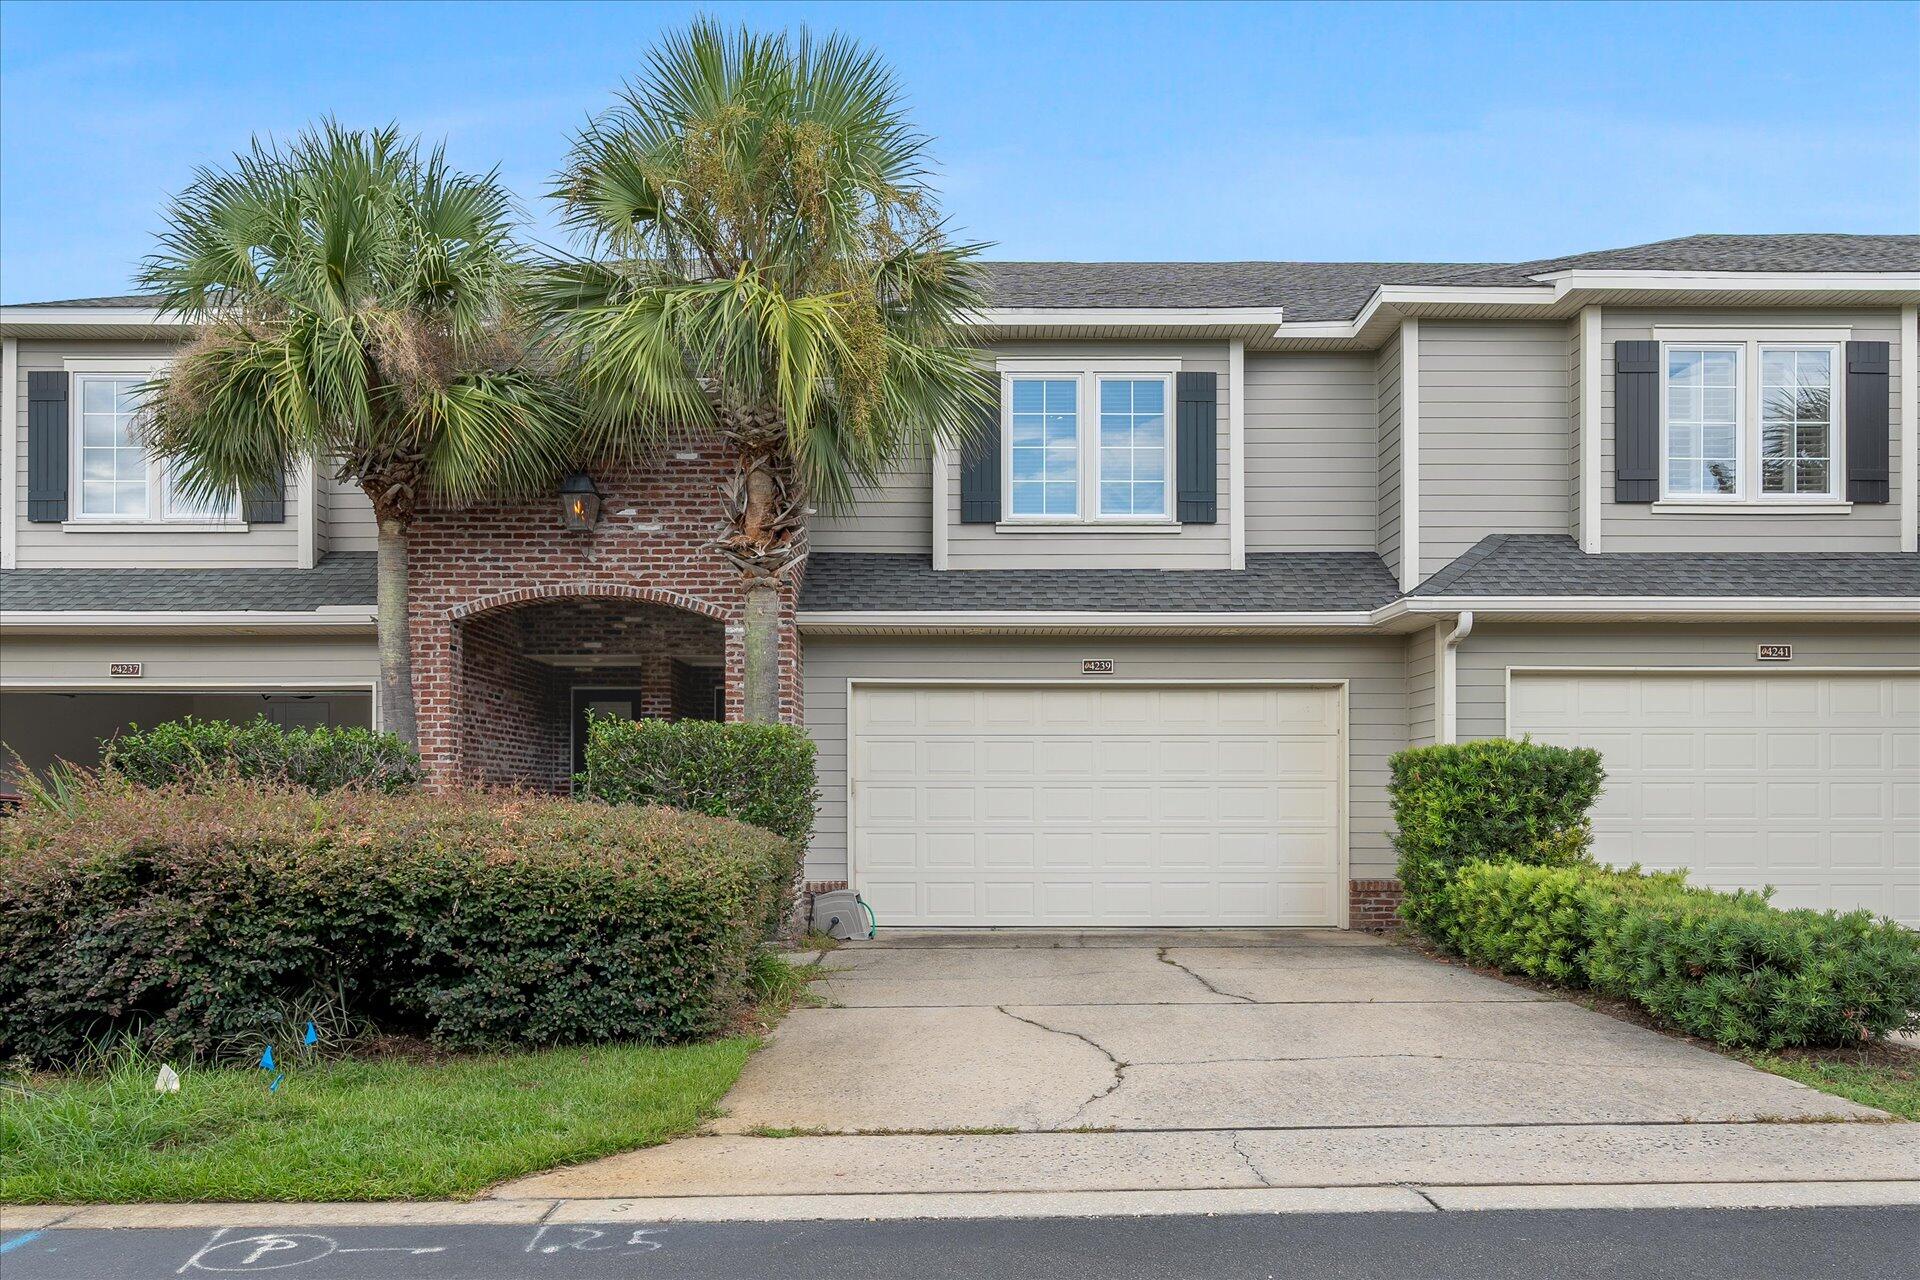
(390, 621)
(761, 694)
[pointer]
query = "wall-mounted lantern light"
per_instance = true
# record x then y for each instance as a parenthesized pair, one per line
(579, 502)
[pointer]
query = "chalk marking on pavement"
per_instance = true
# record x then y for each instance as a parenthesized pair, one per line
(17, 1241)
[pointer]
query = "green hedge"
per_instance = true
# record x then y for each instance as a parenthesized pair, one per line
(1732, 969)
(1726, 967)
(322, 759)
(194, 917)
(1497, 800)
(758, 773)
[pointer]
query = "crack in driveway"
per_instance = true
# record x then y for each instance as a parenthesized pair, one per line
(1119, 1067)
(1247, 1159)
(1164, 958)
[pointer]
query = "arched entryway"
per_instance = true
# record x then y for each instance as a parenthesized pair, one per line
(532, 666)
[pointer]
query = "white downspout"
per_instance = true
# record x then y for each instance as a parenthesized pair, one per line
(1449, 702)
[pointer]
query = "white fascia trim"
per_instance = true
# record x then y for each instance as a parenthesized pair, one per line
(337, 619)
(1017, 619)
(1909, 428)
(1237, 454)
(1069, 317)
(1409, 454)
(1387, 295)
(10, 451)
(1591, 342)
(1557, 287)
(1857, 607)
(127, 317)
(1867, 608)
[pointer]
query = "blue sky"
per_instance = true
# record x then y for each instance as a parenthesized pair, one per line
(1091, 131)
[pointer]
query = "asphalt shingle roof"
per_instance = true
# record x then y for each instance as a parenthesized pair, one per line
(342, 579)
(1304, 290)
(1338, 290)
(1542, 564)
(847, 581)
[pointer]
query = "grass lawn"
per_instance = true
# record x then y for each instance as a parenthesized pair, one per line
(371, 1128)
(1884, 1076)
(350, 1130)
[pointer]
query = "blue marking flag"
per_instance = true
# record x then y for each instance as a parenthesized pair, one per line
(266, 1059)
(275, 1086)
(313, 1034)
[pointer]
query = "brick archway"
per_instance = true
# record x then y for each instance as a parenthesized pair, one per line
(653, 548)
(586, 589)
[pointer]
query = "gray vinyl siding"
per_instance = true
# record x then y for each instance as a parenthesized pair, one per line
(895, 516)
(1387, 409)
(1312, 453)
(163, 546)
(1192, 546)
(350, 525)
(1637, 527)
(1376, 704)
(1485, 656)
(1493, 434)
(1422, 689)
(191, 661)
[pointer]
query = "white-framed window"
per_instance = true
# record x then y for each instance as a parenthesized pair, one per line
(1750, 419)
(1087, 443)
(115, 480)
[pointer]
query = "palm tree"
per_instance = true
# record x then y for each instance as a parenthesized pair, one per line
(355, 299)
(767, 268)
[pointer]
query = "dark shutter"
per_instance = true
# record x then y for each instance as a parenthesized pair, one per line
(266, 503)
(1636, 421)
(1868, 420)
(47, 425)
(1196, 448)
(980, 463)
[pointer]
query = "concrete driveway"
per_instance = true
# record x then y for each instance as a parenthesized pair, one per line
(1021, 1062)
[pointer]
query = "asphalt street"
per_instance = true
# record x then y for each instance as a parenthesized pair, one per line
(1795, 1244)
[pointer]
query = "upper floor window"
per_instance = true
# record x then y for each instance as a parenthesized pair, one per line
(1088, 444)
(119, 481)
(1751, 420)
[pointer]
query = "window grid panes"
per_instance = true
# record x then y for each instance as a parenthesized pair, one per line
(1796, 421)
(1703, 421)
(182, 507)
(1133, 447)
(1046, 446)
(113, 465)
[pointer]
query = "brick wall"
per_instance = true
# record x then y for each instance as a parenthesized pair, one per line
(652, 546)
(1373, 905)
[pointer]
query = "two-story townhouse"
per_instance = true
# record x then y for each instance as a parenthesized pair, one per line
(1140, 652)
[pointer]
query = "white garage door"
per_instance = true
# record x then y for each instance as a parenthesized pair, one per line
(1115, 805)
(1809, 783)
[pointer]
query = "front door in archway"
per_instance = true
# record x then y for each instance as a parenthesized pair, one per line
(589, 700)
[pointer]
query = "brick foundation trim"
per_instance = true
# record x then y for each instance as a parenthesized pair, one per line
(1373, 905)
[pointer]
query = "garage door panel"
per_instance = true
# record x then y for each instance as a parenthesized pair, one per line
(1810, 783)
(1116, 805)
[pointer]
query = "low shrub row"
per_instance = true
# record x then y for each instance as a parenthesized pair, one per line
(196, 751)
(195, 915)
(1726, 967)
(758, 773)
(1493, 839)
